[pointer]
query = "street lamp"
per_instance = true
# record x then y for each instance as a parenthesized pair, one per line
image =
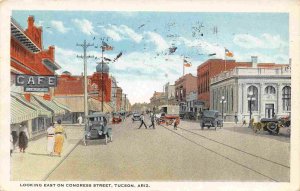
(250, 99)
(222, 101)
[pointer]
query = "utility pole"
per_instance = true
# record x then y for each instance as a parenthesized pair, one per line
(125, 103)
(85, 45)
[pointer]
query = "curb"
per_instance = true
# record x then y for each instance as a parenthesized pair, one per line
(61, 161)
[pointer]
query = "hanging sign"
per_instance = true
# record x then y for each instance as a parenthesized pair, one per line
(36, 81)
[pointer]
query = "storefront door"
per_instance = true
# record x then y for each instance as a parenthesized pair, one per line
(269, 111)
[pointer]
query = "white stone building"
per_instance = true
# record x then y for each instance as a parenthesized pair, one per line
(191, 101)
(270, 86)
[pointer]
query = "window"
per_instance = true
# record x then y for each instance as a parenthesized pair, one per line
(253, 99)
(286, 98)
(270, 90)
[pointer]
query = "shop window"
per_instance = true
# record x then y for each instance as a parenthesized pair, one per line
(252, 95)
(286, 98)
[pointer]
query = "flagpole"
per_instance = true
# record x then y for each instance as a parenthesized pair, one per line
(183, 68)
(225, 58)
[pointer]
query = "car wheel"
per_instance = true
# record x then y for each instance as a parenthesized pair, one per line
(272, 128)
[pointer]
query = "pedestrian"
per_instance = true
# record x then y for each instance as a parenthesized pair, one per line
(11, 144)
(176, 123)
(235, 118)
(152, 116)
(50, 139)
(59, 138)
(244, 121)
(15, 135)
(79, 119)
(23, 137)
(142, 118)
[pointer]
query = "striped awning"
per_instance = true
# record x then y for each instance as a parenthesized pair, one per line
(50, 105)
(34, 105)
(62, 106)
(21, 112)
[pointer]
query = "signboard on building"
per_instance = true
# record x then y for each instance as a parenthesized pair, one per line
(36, 83)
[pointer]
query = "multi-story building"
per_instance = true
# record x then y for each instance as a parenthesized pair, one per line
(183, 86)
(266, 91)
(169, 94)
(213, 67)
(27, 56)
(157, 99)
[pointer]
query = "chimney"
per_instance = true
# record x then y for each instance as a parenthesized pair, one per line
(254, 61)
(51, 51)
(30, 21)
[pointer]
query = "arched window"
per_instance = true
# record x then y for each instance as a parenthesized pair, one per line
(286, 98)
(252, 96)
(270, 90)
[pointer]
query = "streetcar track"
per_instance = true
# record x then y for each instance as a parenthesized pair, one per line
(240, 164)
(260, 157)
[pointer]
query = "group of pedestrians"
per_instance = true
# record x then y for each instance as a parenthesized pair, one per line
(142, 119)
(21, 138)
(55, 138)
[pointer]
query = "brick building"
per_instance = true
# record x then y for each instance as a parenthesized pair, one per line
(183, 86)
(157, 99)
(213, 67)
(27, 56)
(70, 92)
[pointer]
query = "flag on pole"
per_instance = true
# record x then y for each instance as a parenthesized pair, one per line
(213, 54)
(228, 53)
(186, 63)
(106, 47)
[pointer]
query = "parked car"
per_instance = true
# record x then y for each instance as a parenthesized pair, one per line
(211, 118)
(136, 117)
(97, 128)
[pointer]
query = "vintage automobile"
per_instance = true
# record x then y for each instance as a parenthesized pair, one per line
(272, 125)
(96, 127)
(136, 117)
(211, 118)
(116, 118)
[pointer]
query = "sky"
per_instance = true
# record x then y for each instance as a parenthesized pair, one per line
(145, 39)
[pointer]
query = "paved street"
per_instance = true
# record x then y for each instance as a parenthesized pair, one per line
(188, 154)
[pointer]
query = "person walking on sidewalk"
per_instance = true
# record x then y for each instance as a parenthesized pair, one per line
(23, 137)
(59, 138)
(235, 118)
(15, 135)
(143, 121)
(79, 119)
(11, 144)
(152, 116)
(50, 139)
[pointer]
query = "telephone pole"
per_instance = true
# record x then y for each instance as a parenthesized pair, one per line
(125, 103)
(85, 45)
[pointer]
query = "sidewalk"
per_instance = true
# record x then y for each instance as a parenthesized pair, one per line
(35, 163)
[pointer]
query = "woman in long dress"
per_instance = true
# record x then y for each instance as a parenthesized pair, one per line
(50, 139)
(23, 137)
(59, 138)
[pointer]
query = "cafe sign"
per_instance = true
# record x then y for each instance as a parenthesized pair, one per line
(36, 83)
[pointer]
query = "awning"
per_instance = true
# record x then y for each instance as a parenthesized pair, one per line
(50, 105)
(62, 106)
(74, 103)
(41, 110)
(20, 112)
(95, 105)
